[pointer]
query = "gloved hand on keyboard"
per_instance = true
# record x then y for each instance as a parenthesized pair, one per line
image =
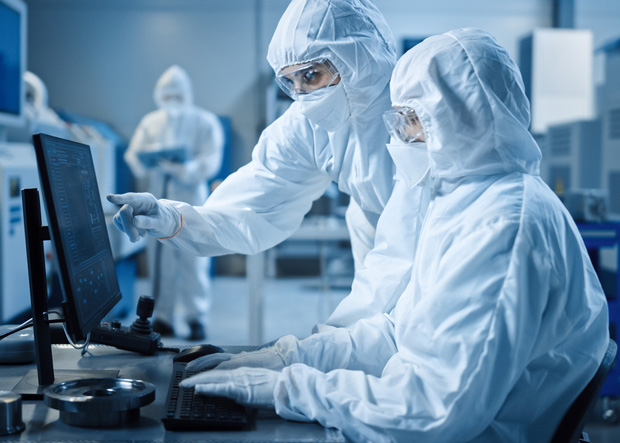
(248, 386)
(269, 358)
(142, 213)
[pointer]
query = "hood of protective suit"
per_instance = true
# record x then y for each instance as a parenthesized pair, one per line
(36, 90)
(470, 98)
(174, 81)
(352, 34)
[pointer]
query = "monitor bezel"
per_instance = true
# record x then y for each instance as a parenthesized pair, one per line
(10, 119)
(77, 326)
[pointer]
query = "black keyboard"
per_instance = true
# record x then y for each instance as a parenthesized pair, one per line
(187, 411)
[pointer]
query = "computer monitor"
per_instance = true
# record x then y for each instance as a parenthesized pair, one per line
(81, 246)
(78, 232)
(12, 62)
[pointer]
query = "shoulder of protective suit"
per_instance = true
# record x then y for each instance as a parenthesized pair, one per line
(153, 117)
(295, 129)
(204, 114)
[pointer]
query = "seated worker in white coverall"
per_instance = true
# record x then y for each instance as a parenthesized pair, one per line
(503, 322)
(180, 279)
(337, 68)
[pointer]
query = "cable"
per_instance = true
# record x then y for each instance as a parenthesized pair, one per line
(27, 324)
(83, 346)
(21, 327)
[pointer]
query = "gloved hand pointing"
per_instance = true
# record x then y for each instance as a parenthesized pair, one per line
(142, 213)
(249, 386)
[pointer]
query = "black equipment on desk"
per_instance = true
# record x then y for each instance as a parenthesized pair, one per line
(139, 337)
(82, 249)
(186, 410)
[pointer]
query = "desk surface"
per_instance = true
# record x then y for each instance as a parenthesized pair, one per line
(43, 424)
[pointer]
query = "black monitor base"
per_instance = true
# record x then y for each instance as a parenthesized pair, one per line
(30, 389)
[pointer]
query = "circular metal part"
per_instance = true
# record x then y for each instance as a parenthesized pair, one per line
(99, 402)
(10, 413)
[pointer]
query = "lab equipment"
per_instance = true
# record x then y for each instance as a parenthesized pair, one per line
(18, 170)
(186, 410)
(82, 251)
(99, 402)
(107, 147)
(587, 205)
(16, 348)
(11, 413)
(610, 115)
(556, 65)
(13, 21)
(139, 337)
(573, 157)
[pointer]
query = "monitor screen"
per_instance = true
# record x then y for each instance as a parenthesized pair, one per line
(78, 232)
(12, 63)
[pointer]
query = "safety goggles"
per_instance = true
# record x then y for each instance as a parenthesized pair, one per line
(307, 77)
(403, 124)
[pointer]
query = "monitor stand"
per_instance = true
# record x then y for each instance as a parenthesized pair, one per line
(33, 384)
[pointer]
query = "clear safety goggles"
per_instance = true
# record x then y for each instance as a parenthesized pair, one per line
(307, 77)
(403, 124)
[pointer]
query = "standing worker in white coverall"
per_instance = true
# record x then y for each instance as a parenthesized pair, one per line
(503, 322)
(180, 279)
(335, 58)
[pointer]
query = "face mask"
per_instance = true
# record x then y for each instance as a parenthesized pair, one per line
(326, 107)
(173, 109)
(411, 160)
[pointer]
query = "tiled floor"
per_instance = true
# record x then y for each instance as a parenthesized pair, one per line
(293, 306)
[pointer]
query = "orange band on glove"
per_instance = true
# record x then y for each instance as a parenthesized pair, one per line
(173, 235)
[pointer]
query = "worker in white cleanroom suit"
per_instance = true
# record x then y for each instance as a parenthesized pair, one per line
(335, 59)
(179, 278)
(40, 117)
(503, 322)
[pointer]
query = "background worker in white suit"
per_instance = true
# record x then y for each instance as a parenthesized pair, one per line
(337, 69)
(180, 279)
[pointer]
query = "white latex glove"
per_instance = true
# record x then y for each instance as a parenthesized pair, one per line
(267, 358)
(248, 386)
(142, 213)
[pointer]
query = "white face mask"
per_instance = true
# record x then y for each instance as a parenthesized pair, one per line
(326, 107)
(411, 160)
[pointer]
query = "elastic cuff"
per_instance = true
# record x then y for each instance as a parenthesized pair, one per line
(173, 235)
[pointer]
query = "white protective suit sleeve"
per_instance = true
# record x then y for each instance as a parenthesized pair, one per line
(343, 348)
(362, 232)
(138, 140)
(387, 268)
(262, 203)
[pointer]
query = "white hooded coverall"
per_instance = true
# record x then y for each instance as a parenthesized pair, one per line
(295, 160)
(503, 321)
(178, 277)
